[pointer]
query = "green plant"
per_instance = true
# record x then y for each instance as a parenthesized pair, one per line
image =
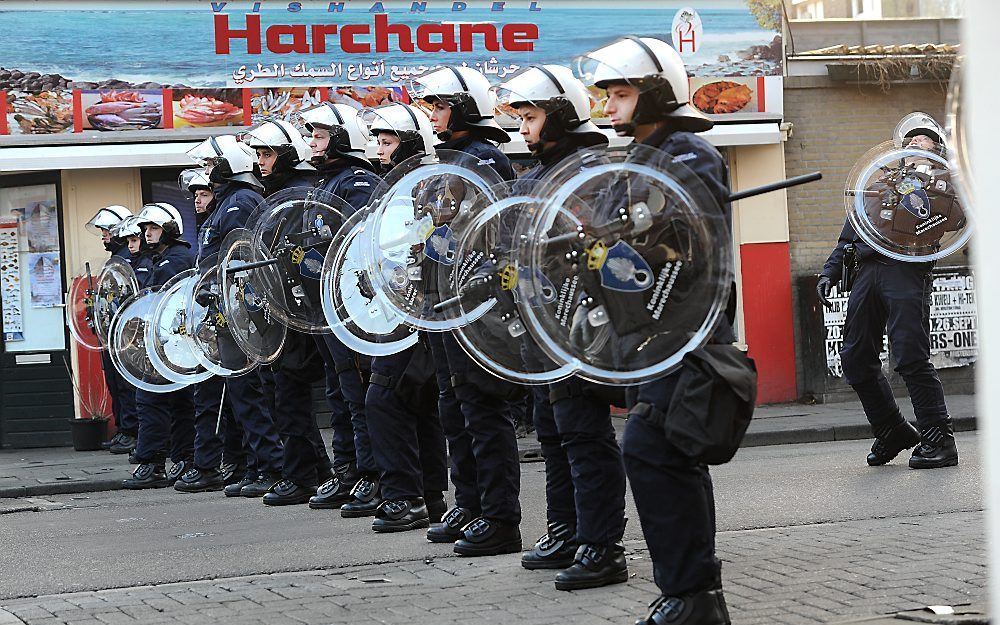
(767, 13)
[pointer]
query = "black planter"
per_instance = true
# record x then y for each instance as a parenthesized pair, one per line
(88, 434)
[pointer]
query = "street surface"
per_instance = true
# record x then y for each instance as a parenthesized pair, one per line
(808, 534)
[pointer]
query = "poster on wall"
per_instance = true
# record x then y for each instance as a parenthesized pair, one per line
(953, 323)
(10, 281)
(45, 279)
(365, 50)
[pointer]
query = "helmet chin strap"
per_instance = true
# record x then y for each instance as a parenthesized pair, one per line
(446, 134)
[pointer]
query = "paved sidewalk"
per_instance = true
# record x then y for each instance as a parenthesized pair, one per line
(822, 573)
(33, 472)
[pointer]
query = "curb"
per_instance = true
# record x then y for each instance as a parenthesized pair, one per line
(528, 453)
(67, 488)
(852, 432)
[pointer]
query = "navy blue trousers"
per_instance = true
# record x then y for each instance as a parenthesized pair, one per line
(674, 498)
(893, 298)
(407, 443)
(166, 425)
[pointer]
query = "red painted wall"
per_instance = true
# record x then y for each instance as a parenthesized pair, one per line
(767, 316)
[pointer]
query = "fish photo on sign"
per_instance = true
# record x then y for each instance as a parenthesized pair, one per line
(202, 108)
(128, 109)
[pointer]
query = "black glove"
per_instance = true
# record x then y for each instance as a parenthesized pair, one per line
(823, 291)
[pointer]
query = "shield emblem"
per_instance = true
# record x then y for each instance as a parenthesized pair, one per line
(546, 290)
(917, 203)
(311, 264)
(625, 270)
(440, 246)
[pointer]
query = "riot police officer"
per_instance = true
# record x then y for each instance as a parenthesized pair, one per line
(893, 293)
(338, 141)
(122, 393)
(475, 408)
(215, 427)
(283, 155)
(232, 169)
(163, 416)
(647, 99)
(584, 474)
(406, 436)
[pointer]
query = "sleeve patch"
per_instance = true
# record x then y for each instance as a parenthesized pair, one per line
(690, 156)
(232, 209)
(166, 262)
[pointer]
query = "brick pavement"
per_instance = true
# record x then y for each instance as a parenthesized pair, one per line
(790, 575)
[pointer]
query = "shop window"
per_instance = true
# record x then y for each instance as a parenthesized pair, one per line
(160, 185)
(31, 266)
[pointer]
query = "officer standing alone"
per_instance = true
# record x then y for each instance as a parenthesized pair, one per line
(889, 293)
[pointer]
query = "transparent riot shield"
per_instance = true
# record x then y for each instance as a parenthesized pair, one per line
(127, 345)
(628, 267)
(217, 350)
(903, 203)
(409, 237)
(293, 232)
(80, 314)
(244, 279)
(356, 312)
(488, 243)
(171, 348)
(115, 285)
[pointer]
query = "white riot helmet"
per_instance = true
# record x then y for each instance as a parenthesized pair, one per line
(231, 160)
(657, 70)
(107, 218)
(191, 180)
(131, 226)
(410, 124)
(165, 216)
(918, 124)
(565, 100)
(348, 133)
(470, 97)
(285, 139)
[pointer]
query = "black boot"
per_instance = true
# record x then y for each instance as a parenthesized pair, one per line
(702, 608)
(594, 566)
(555, 550)
(436, 505)
(111, 443)
(400, 515)
(147, 475)
(288, 493)
(125, 445)
(890, 440)
(196, 480)
(937, 447)
(235, 489)
(450, 528)
(488, 537)
(178, 469)
(366, 499)
(335, 492)
(260, 486)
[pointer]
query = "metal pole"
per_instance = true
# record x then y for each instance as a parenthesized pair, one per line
(981, 91)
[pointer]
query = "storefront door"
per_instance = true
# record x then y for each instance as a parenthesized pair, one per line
(36, 390)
